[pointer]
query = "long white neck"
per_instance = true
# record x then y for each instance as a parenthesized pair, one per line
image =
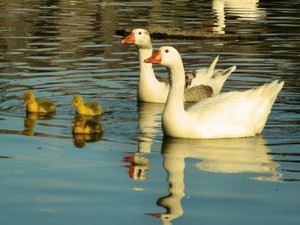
(146, 70)
(174, 115)
(175, 99)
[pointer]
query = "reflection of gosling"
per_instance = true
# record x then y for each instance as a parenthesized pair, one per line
(38, 105)
(82, 126)
(89, 108)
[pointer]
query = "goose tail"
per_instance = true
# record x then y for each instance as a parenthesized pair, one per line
(212, 67)
(272, 89)
(268, 94)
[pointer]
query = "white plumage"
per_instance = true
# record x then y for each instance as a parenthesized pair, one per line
(152, 89)
(230, 115)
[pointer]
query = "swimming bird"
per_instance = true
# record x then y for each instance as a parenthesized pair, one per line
(155, 89)
(34, 105)
(80, 125)
(230, 115)
(88, 108)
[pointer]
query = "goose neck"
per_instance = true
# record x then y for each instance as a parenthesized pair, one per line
(177, 80)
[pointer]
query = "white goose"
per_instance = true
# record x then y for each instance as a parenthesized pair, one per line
(230, 115)
(152, 89)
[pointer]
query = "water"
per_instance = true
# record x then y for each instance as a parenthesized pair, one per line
(131, 174)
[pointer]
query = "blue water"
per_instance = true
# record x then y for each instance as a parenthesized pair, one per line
(131, 174)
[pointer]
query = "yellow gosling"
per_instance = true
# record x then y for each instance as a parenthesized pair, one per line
(82, 126)
(38, 105)
(89, 108)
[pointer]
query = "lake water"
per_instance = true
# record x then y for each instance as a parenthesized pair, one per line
(131, 174)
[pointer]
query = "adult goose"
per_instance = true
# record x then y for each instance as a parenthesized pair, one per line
(230, 115)
(34, 105)
(153, 89)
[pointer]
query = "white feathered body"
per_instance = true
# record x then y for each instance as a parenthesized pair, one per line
(230, 115)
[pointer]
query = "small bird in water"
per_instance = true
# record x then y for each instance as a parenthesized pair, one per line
(88, 108)
(38, 105)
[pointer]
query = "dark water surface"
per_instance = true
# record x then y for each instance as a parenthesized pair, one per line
(130, 174)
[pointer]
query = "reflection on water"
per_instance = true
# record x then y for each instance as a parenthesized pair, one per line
(138, 166)
(30, 121)
(149, 121)
(246, 155)
(80, 140)
(43, 120)
(63, 48)
(247, 10)
(86, 129)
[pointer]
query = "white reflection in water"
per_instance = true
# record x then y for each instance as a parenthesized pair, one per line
(149, 120)
(247, 10)
(149, 123)
(247, 155)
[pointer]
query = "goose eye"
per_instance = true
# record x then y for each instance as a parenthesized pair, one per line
(167, 51)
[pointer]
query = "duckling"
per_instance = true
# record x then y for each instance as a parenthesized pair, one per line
(89, 108)
(38, 105)
(82, 126)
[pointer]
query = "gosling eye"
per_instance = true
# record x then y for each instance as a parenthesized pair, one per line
(167, 51)
(140, 33)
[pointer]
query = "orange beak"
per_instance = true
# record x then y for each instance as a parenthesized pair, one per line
(157, 215)
(156, 58)
(25, 103)
(130, 39)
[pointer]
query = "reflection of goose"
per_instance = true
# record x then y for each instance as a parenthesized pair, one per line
(149, 123)
(139, 165)
(245, 155)
(30, 121)
(245, 10)
(81, 125)
(174, 165)
(149, 119)
(233, 114)
(156, 90)
(81, 139)
(86, 129)
(38, 105)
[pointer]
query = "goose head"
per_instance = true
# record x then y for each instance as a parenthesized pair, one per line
(138, 37)
(166, 56)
